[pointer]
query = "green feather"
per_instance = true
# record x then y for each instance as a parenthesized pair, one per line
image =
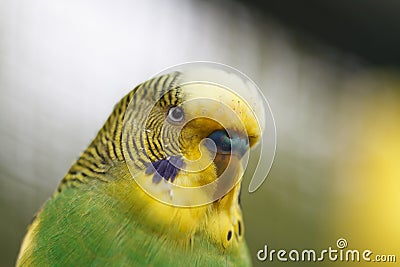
(85, 226)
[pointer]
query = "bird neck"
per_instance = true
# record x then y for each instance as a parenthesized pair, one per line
(220, 222)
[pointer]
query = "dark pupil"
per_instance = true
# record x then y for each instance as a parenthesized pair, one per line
(177, 113)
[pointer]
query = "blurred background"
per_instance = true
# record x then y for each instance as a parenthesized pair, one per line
(328, 69)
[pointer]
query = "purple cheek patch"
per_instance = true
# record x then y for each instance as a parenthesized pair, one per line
(166, 168)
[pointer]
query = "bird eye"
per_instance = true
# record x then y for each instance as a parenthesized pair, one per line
(175, 114)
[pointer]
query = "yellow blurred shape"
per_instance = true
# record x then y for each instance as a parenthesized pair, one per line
(368, 177)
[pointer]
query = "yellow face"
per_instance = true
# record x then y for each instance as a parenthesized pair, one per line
(210, 107)
(214, 114)
(198, 135)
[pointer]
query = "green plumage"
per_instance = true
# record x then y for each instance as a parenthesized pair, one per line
(91, 227)
(99, 216)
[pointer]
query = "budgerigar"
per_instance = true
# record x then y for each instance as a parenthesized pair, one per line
(103, 215)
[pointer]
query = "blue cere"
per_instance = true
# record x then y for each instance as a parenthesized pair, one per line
(166, 168)
(225, 143)
(222, 141)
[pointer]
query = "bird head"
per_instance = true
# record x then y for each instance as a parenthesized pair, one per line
(187, 143)
(175, 152)
(186, 146)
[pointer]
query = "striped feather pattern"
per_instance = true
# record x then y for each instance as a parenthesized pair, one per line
(124, 131)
